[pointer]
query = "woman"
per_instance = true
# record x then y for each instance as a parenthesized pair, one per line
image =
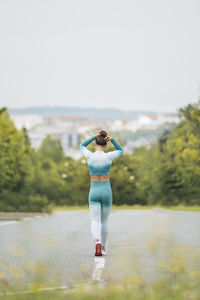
(100, 194)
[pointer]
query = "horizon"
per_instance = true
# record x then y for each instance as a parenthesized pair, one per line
(88, 108)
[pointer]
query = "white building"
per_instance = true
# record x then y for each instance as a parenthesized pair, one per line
(169, 117)
(28, 121)
(124, 124)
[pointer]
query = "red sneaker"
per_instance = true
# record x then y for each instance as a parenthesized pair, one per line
(98, 248)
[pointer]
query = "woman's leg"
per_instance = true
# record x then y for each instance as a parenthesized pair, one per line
(105, 211)
(106, 204)
(95, 215)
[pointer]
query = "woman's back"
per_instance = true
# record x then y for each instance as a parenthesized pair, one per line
(99, 162)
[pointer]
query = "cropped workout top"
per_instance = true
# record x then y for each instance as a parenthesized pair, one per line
(99, 162)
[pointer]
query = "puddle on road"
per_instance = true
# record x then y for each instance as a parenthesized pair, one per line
(97, 274)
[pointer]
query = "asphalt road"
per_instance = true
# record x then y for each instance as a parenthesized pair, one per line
(61, 245)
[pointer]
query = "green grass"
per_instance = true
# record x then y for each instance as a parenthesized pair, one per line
(174, 286)
(121, 207)
(75, 207)
(162, 291)
(114, 207)
(184, 208)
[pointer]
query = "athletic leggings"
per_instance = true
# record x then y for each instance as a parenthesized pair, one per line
(100, 202)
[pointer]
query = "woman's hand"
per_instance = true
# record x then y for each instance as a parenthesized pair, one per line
(109, 138)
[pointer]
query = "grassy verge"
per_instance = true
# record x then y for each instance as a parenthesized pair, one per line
(183, 208)
(75, 207)
(121, 207)
(163, 290)
(114, 207)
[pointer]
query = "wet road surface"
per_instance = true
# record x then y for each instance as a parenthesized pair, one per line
(62, 244)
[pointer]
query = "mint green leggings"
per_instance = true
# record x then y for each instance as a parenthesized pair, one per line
(100, 202)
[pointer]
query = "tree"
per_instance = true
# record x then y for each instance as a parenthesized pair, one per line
(51, 147)
(17, 164)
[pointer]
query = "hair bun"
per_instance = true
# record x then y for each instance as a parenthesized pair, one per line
(103, 133)
(101, 138)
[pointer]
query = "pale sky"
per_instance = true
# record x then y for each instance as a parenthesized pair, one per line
(127, 54)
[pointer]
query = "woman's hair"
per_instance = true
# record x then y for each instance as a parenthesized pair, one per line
(100, 140)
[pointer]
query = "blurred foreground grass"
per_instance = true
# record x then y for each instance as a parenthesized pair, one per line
(177, 277)
(166, 290)
(177, 285)
(116, 207)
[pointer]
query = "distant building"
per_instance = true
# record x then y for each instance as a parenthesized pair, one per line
(152, 121)
(65, 121)
(169, 118)
(28, 121)
(68, 128)
(71, 128)
(124, 124)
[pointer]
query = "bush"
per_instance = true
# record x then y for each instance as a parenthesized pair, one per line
(11, 202)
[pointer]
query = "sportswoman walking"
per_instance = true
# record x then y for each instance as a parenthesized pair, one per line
(100, 194)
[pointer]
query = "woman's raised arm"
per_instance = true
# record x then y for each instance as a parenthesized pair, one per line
(119, 150)
(83, 146)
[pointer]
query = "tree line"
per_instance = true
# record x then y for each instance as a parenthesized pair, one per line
(167, 173)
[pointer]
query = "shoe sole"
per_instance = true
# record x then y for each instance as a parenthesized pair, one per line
(98, 249)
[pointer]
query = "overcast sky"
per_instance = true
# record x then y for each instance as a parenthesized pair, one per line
(128, 54)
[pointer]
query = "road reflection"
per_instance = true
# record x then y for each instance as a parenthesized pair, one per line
(99, 264)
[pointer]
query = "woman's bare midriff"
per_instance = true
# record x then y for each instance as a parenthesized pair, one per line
(99, 178)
